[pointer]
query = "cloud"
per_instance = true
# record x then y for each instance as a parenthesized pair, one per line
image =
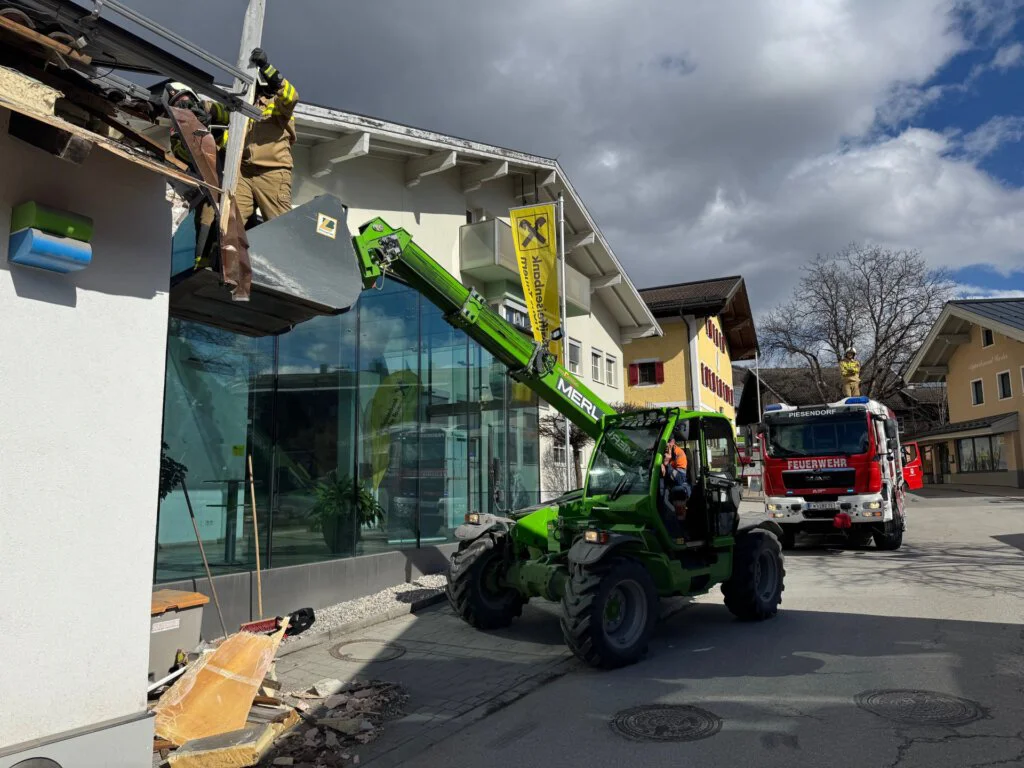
(739, 136)
(991, 135)
(978, 292)
(1008, 56)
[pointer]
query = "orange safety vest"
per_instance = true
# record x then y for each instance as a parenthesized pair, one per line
(678, 458)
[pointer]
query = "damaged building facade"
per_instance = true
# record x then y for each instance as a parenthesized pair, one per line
(373, 432)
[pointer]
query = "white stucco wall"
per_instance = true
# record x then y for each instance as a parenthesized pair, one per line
(82, 376)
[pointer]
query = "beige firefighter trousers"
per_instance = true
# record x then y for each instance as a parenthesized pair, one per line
(270, 191)
(851, 387)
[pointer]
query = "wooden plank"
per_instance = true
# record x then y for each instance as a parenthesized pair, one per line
(30, 34)
(167, 599)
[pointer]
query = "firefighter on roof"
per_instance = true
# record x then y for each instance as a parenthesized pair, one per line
(849, 369)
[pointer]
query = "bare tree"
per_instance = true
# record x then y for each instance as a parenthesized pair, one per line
(881, 301)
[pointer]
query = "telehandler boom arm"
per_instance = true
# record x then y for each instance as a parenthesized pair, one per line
(381, 249)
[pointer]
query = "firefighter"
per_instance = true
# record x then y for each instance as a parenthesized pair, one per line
(849, 369)
(215, 117)
(266, 178)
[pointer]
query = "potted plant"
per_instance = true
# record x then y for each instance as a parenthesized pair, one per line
(341, 510)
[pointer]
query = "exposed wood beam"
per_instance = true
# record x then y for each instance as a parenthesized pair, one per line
(417, 168)
(605, 281)
(933, 370)
(580, 239)
(954, 338)
(323, 157)
(474, 178)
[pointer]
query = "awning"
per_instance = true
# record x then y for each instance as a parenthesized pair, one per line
(990, 425)
(303, 265)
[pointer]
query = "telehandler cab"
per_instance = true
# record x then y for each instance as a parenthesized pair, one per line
(609, 551)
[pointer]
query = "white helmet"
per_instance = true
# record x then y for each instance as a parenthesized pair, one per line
(176, 91)
(851, 350)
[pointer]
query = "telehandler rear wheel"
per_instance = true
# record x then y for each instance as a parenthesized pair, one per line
(609, 612)
(474, 584)
(754, 590)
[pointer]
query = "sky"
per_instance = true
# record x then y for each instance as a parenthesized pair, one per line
(706, 137)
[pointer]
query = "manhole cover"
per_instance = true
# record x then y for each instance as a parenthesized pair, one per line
(920, 707)
(666, 722)
(367, 650)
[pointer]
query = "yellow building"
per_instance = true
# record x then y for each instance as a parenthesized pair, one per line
(977, 348)
(707, 325)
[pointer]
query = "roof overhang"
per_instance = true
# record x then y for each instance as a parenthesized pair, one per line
(335, 136)
(997, 425)
(733, 312)
(949, 331)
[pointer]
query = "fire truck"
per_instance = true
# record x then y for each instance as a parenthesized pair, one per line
(836, 468)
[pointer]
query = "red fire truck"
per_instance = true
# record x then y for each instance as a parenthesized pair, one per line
(836, 468)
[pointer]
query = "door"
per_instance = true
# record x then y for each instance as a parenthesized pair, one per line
(913, 471)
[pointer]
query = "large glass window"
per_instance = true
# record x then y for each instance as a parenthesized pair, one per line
(835, 435)
(371, 431)
(982, 454)
(625, 457)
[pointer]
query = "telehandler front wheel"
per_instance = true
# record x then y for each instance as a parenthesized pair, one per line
(609, 612)
(754, 590)
(474, 587)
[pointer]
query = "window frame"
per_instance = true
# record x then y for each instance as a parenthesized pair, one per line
(555, 450)
(598, 355)
(610, 366)
(982, 400)
(1009, 384)
(568, 358)
(991, 336)
(991, 466)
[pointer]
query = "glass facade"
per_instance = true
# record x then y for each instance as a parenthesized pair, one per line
(371, 431)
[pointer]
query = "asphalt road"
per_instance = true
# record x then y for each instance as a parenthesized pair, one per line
(943, 615)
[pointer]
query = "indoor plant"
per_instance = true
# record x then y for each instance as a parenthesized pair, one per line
(341, 510)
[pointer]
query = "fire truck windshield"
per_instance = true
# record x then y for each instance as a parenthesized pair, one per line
(840, 434)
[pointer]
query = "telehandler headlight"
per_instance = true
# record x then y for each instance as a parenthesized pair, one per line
(594, 536)
(473, 518)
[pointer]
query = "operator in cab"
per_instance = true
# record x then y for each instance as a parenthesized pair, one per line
(849, 369)
(676, 486)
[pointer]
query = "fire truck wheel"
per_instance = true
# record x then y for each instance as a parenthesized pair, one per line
(890, 538)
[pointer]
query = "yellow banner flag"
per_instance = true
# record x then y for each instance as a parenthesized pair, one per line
(535, 236)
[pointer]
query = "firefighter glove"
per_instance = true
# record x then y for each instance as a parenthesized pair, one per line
(258, 58)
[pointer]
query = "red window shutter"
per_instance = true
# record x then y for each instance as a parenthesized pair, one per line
(709, 326)
(703, 374)
(634, 374)
(659, 372)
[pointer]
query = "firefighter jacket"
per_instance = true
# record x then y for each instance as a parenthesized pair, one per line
(850, 370)
(268, 141)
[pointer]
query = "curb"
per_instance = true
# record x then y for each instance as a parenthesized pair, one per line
(310, 640)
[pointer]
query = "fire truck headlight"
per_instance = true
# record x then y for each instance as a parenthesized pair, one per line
(873, 505)
(774, 507)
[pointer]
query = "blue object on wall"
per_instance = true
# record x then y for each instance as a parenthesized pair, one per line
(183, 246)
(34, 248)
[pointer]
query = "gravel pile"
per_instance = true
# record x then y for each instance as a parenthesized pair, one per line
(337, 615)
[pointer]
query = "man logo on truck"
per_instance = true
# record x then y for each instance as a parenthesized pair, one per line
(577, 398)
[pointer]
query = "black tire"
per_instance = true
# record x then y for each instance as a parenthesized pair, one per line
(788, 537)
(471, 572)
(754, 591)
(890, 538)
(590, 593)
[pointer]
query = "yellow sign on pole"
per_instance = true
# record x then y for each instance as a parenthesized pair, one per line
(534, 232)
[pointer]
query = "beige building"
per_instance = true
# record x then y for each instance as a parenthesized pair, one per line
(977, 348)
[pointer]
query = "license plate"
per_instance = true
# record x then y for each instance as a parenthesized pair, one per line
(822, 505)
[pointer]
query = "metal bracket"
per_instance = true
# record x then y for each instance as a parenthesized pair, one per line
(470, 310)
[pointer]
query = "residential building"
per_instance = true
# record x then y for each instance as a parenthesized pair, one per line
(707, 325)
(977, 348)
(917, 407)
(388, 396)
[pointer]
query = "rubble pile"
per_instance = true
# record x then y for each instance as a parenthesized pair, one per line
(337, 718)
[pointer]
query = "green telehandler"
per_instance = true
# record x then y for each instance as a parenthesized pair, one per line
(609, 551)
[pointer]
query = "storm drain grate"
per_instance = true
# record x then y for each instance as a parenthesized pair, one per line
(920, 707)
(367, 651)
(666, 722)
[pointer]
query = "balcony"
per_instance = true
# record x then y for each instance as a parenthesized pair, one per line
(487, 259)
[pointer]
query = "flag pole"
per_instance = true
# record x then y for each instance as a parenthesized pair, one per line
(565, 330)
